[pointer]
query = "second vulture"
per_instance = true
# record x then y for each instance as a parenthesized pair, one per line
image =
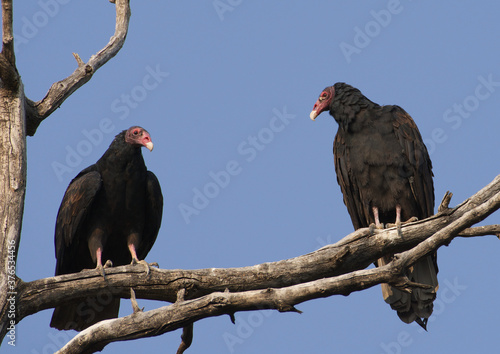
(385, 174)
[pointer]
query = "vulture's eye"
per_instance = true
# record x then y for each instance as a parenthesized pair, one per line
(136, 132)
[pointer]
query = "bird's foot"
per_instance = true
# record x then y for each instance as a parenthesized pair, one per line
(101, 267)
(146, 264)
(372, 227)
(398, 227)
(412, 219)
(398, 224)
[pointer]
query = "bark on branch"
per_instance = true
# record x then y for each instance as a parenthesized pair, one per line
(333, 269)
(7, 32)
(8, 71)
(61, 90)
(493, 230)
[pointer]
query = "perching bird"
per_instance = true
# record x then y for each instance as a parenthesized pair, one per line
(111, 211)
(385, 174)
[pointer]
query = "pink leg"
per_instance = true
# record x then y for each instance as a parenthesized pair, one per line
(98, 254)
(377, 220)
(133, 253)
(398, 214)
(95, 247)
(136, 260)
(398, 220)
(99, 266)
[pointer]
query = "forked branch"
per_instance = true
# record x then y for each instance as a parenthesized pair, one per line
(36, 112)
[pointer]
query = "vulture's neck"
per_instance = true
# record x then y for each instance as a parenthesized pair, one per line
(349, 105)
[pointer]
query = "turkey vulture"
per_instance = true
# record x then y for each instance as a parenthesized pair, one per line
(111, 211)
(385, 174)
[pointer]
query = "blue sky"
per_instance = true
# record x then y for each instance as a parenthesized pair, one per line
(228, 86)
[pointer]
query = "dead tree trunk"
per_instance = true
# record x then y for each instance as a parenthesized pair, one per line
(12, 169)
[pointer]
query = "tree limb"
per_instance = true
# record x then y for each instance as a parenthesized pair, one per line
(333, 269)
(172, 317)
(488, 230)
(61, 90)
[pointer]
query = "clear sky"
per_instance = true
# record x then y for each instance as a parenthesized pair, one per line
(228, 85)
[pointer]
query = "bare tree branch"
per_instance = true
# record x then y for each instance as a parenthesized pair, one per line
(354, 252)
(186, 338)
(333, 269)
(61, 90)
(169, 318)
(488, 230)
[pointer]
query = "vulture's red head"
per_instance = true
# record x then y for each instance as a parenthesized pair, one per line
(324, 102)
(138, 136)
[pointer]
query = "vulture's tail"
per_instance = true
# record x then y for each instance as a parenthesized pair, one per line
(417, 305)
(82, 314)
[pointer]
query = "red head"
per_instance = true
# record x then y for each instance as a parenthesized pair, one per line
(323, 103)
(139, 137)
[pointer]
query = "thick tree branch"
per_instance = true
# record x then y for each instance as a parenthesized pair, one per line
(354, 252)
(169, 318)
(61, 90)
(175, 316)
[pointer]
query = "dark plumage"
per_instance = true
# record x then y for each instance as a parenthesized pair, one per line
(112, 211)
(385, 174)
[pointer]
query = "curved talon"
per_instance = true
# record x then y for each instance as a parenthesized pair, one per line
(146, 264)
(412, 219)
(399, 223)
(374, 226)
(101, 267)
